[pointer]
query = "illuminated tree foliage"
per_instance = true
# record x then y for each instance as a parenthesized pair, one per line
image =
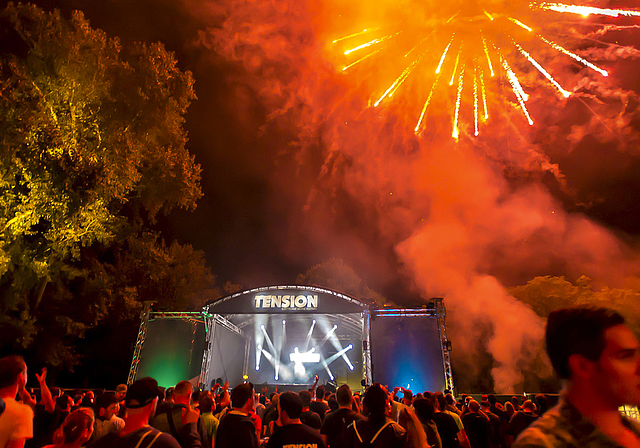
(92, 149)
(548, 293)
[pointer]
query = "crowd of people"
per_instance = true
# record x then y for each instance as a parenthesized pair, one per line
(601, 365)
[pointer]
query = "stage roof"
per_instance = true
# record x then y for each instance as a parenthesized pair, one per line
(287, 299)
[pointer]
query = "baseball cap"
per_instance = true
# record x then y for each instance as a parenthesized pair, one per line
(141, 393)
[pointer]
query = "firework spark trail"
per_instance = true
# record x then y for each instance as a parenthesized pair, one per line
(475, 98)
(486, 52)
(362, 59)
(517, 88)
(496, 23)
(455, 67)
(407, 72)
(399, 80)
(565, 51)
(444, 54)
(541, 69)
(426, 103)
(372, 42)
(513, 77)
(574, 56)
(455, 134)
(366, 30)
(520, 24)
(484, 94)
(588, 10)
(418, 44)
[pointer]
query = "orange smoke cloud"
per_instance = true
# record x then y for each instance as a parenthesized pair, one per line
(460, 228)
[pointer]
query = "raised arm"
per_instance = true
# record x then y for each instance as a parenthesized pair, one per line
(46, 398)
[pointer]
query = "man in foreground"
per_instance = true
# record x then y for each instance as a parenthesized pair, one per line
(141, 401)
(598, 355)
(335, 424)
(293, 432)
(236, 429)
(16, 421)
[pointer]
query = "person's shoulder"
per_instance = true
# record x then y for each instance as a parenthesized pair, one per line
(302, 428)
(537, 437)
(399, 430)
(547, 431)
(16, 409)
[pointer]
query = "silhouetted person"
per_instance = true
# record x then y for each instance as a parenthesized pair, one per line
(376, 429)
(236, 429)
(335, 424)
(477, 426)
(293, 432)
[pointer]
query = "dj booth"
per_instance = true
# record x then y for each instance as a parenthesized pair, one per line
(285, 335)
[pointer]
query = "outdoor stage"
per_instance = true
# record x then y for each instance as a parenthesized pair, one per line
(285, 335)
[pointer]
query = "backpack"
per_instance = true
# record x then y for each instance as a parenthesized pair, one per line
(369, 444)
(152, 440)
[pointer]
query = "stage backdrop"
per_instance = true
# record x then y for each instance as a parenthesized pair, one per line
(172, 351)
(406, 352)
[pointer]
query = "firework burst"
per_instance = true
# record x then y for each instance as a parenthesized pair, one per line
(482, 43)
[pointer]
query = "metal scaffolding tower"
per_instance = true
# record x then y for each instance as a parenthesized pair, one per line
(441, 313)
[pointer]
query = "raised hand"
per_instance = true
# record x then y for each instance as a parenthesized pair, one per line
(43, 375)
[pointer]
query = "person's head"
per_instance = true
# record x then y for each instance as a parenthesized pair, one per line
(305, 396)
(76, 428)
(515, 401)
(492, 399)
(195, 397)
(142, 398)
(121, 391)
(344, 396)
(440, 401)
(407, 397)
(320, 393)
(528, 406)
(473, 406)
(206, 404)
(107, 405)
(424, 409)
(182, 392)
(168, 394)
(55, 392)
(376, 403)
(593, 349)
(13, 372)
(485, 405)
(242, 396)
(86, 401)
(508, 407)
(64, 403)
(542, 403)
(449, 399)
(416, 436)
(289, 407)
